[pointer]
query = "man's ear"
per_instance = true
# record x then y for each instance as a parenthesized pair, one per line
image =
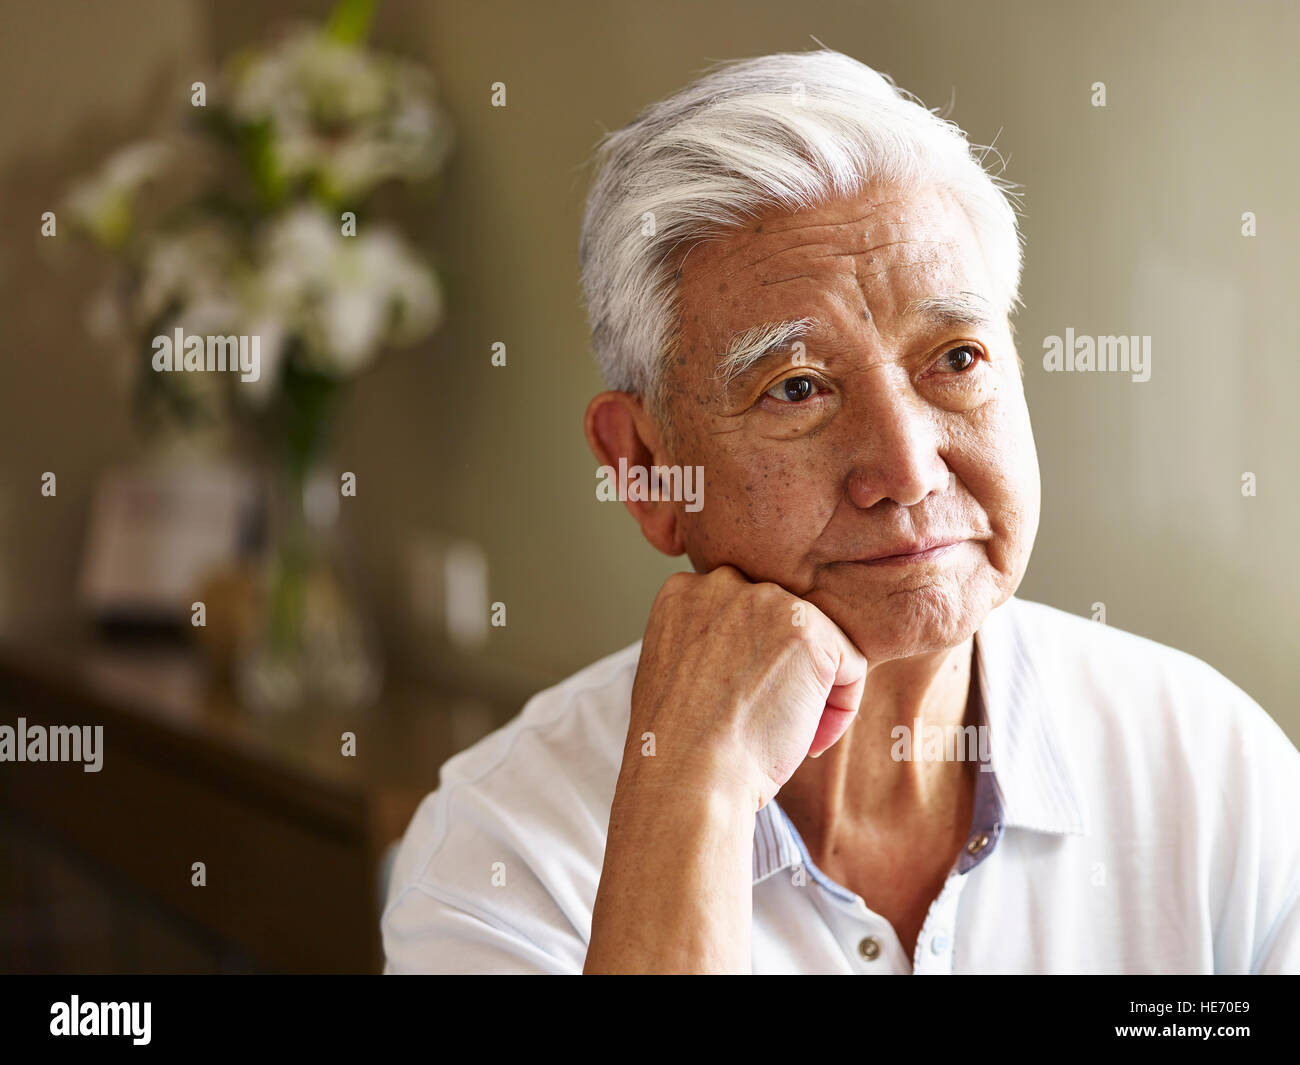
(619, 427)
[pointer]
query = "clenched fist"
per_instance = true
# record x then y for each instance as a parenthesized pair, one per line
(739, 682)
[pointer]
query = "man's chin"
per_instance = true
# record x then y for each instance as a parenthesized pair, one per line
(904, 624)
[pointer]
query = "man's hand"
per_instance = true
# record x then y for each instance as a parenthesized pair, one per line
(738, 682)
(742, 681)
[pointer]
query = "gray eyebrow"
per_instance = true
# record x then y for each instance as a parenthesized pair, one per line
(961, 308)
(750, 347)
(757, 343)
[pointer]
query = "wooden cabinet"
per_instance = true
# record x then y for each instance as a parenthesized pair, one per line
(98, 866)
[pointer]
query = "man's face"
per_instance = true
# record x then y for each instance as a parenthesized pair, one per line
(891, 425)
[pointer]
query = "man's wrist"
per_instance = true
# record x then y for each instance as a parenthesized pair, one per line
(706, 783)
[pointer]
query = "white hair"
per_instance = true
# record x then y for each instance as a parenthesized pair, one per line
(779, 131)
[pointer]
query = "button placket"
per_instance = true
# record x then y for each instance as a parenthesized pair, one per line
(933, 952)
(865, 937)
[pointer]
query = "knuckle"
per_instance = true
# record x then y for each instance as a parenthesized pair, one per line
(677, 584)
(772, 596)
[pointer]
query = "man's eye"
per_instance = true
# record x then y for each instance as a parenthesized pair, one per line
(958, 360)
(792, 389)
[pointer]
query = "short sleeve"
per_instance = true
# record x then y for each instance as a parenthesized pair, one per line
(1272, 784)
(1279, 954)
(499, 868)
(426, 934)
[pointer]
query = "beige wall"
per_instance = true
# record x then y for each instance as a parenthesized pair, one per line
(1132, 227)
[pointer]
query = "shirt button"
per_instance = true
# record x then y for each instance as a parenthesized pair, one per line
(869, 948)
(977, 843)
(939, 944)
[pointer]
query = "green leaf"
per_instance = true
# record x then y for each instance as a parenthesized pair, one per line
(259, 156)
(349, 22)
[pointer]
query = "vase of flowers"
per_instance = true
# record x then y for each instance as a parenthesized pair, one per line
(259, 228)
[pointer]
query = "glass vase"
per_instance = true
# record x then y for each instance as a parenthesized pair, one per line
(313, 646)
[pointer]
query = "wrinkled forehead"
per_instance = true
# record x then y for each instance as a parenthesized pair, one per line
(861, 258)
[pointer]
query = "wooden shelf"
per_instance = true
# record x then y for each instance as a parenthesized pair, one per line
(292, 832)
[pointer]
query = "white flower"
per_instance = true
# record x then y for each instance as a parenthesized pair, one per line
(347, 296)
(409, 287)
(272, 334)
(210, 315)
(101, 203)
(309, 77)
(341, 114)
(182, 268)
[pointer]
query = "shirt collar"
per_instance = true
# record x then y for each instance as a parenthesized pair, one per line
(1034, 775)
(1031, 776)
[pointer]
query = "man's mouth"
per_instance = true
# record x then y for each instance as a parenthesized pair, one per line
(912, 552)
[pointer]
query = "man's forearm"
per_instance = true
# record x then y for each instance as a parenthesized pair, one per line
(676, 890)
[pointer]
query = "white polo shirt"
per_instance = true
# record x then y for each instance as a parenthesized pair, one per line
(1142, 816)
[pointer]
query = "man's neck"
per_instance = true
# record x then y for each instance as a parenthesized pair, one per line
(882, 772)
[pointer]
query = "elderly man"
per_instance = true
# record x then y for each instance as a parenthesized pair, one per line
(800, 282)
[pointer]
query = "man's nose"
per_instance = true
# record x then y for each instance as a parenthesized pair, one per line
(894, 440)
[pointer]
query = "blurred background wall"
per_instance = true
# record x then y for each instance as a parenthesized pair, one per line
(1133, 226)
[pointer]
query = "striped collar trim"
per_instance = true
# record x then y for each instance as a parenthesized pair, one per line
(1031, 774)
